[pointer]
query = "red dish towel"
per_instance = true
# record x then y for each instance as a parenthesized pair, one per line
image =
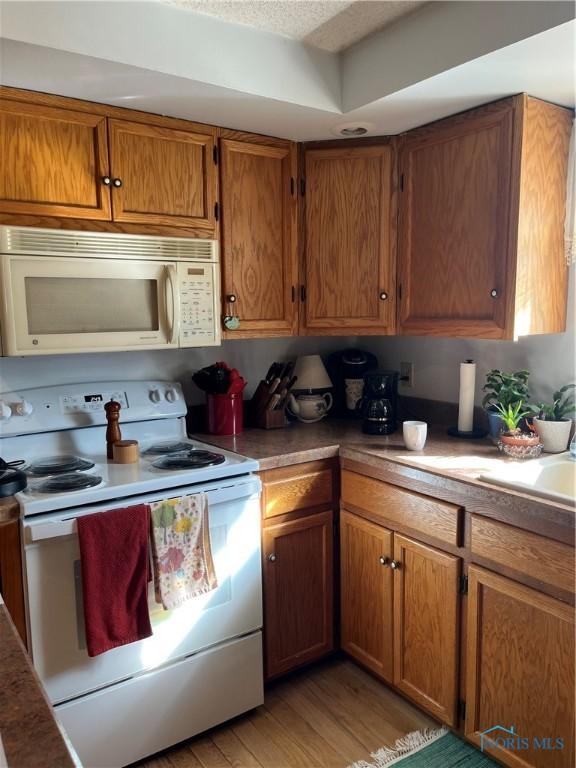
(115, 562)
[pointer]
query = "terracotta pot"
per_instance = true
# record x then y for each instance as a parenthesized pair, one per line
(520, 440)
(553, 434)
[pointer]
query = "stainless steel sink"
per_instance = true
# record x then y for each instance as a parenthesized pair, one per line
(553, 477)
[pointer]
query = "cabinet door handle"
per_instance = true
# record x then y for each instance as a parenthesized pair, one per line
(106, 180)
(383, 295)
(395, 565)
(271, 558)
(383, 561)
(117, 183)
(231, 298)
(494, 293)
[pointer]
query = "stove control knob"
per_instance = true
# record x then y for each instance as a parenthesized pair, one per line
(5, 411)
(24, 408)
(155, 395)
(171, 395)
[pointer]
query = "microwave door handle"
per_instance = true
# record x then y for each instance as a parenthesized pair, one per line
(174, 318)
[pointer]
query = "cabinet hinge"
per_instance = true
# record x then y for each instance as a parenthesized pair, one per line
(292, 185)
(400, 290)
(302, 293)
(216, 211)
(463, 586)
(401, 182)
(293, 294)
(302, 187)
(215, 154)
(461, 710)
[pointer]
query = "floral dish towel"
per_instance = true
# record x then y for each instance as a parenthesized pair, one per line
(181, 553)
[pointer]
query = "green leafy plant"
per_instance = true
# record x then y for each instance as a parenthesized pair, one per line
(512, 415)
(505, 389)
(561, 408)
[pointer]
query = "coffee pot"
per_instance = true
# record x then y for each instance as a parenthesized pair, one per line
(379, 402)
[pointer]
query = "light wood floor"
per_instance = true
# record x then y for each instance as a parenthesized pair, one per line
(327, 716)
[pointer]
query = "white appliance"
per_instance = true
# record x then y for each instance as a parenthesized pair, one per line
(203, 663)
(66, 292)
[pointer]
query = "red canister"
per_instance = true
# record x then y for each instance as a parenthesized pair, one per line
(225, 414)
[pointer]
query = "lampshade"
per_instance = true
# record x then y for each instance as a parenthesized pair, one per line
(311, 373)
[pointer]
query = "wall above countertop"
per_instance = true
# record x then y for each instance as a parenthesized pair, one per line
(252, 357)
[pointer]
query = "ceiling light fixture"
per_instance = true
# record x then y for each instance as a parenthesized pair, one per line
(352, 130)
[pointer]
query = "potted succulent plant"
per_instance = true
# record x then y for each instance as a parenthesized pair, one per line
(553, 421)
(513, 441)
(504, 390)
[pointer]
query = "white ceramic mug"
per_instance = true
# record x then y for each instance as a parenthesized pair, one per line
(414, 434)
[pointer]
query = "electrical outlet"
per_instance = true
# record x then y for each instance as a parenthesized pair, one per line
(407, 375)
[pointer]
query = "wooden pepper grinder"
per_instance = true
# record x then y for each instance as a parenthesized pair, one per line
(113, 434)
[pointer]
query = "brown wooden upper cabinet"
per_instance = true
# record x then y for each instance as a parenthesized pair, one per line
(53, 162)
(481, 222)
(259, 231)
(349, 279)
(71, 163)
(161, 175)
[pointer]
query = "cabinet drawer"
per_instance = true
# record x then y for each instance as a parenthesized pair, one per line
(395, 505)
(528, 553)
(289, 489)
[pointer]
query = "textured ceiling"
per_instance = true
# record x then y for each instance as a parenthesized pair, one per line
(332, 25)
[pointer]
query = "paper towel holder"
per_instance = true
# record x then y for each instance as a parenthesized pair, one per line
(476, 433)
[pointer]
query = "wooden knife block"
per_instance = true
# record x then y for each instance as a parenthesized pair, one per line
(271, 419)
(262, 418)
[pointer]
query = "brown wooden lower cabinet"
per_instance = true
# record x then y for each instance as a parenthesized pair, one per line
(366, 593)
(400, 612)
(520, 672)
(11, 586)
(426, 619)
(298, 591)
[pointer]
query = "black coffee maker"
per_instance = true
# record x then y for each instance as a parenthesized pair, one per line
(379, 403)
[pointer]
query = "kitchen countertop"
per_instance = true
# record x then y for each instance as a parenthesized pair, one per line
(447, 468)
(29, 732)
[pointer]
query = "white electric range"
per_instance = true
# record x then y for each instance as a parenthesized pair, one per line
(203, 663)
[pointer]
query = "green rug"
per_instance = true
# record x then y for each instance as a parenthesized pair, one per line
(429, 749)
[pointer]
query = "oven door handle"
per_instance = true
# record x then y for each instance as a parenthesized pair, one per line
(44, 531)
(174, 320)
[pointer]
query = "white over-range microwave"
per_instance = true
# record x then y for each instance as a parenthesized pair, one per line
(65, 291)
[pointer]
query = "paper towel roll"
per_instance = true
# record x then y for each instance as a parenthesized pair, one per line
(466, 401)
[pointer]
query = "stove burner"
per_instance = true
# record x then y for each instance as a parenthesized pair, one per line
(195, 459)
(73, 481)
(162, 449)
(56, 465)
